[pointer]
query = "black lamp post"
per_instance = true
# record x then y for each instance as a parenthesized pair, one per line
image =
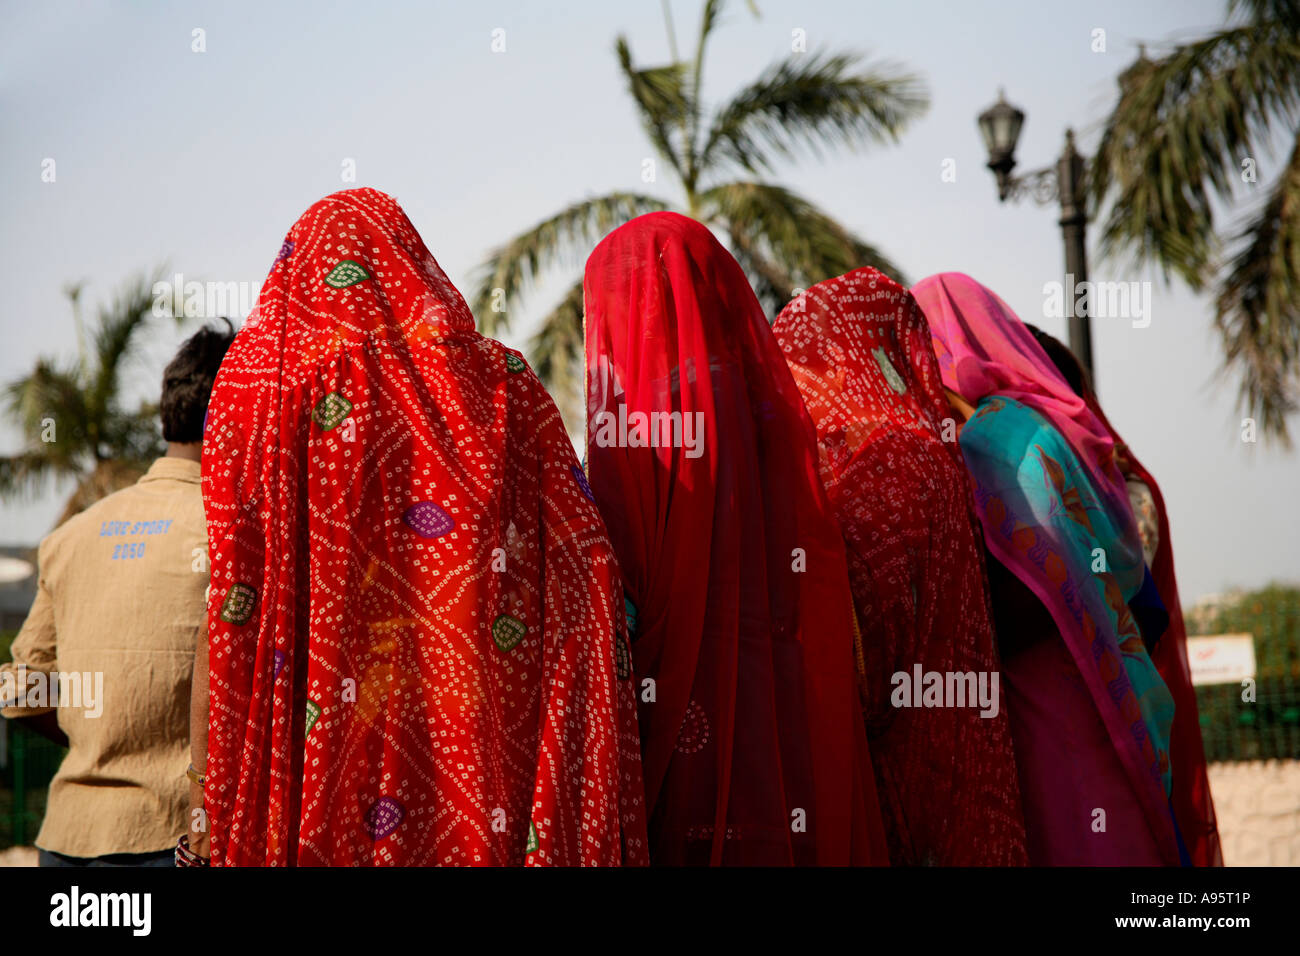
(1000, 125)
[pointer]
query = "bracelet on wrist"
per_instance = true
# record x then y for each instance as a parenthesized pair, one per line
(187, 857)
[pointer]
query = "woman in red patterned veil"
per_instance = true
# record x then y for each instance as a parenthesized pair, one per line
(416, 650)
(703, 461)
(860, 352)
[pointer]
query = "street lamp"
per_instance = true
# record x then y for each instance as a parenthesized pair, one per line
(1064, 182)
(1000, 125)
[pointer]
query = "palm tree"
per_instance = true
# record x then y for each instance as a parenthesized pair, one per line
(1185, 134)
(71, 414)
(782, 240)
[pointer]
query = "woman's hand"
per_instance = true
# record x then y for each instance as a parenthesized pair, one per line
(198, 830)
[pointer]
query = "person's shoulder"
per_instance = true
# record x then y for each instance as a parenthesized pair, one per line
(94, 513)
(1008, 433)
(85, 523)
(181, 498)
(1010, 419)
(993, 419)
(188, 493)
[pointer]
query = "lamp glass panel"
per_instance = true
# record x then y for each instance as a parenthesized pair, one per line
(1014, 120)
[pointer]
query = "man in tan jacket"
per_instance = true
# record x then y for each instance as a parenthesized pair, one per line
(104, 659)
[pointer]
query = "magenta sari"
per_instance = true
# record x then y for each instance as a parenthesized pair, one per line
(1090, 715)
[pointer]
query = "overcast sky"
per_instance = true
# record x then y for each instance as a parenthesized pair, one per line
(204, 160)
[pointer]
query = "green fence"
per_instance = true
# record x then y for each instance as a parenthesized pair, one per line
(29, 765)
(1269, 726)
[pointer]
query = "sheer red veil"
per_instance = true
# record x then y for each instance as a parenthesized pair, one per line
(753, 749)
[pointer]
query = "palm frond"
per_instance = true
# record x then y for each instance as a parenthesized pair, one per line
(556, 355)
(773, 223)
(135, 436)
(118, 331)
(1258, 307)
(1264, 11)
(772, 285)
(813, 101)
(26, 474)
(660, 96)
(50, 393)
(69, 414)
(511, 269)
(1176, 137)
(709, 17)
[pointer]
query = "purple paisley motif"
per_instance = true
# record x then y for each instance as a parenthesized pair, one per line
(279, 664)
(383, 817)
(581, 479)
(286, 251)
(428, 520)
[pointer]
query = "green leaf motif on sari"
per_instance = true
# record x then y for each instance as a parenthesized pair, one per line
(532, 838)
(330, 411)
(313, 711)
(237, 608)
(347, 272)
(891, 374)
(508, 631)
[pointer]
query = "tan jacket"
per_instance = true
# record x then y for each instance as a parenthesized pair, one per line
(117, 612)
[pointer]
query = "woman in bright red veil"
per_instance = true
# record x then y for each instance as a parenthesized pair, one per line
(703, 462)
(416, 644)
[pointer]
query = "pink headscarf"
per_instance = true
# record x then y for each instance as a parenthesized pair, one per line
(984, 349)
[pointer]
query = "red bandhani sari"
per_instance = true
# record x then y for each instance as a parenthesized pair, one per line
(415, 621)
(704, 463)
(1192, 803)
(860, 352)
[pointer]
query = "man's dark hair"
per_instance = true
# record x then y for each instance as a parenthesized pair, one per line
(187, 382)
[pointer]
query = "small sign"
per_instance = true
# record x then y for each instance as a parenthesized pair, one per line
(1221, 658)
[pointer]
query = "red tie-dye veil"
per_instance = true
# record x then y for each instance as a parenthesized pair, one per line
(753, 751)
(415, 621)
(860, 352)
